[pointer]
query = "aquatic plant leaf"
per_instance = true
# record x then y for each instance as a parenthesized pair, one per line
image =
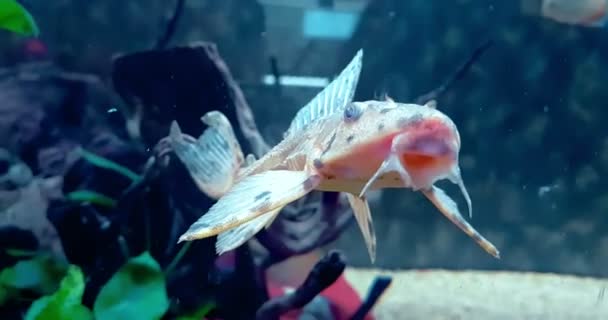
(200, 313)
(14, 17)
(41, 274)
(92, 197)
(18, 253)
(102, 162)
(65, 303)
(178, 257)
(136, 291)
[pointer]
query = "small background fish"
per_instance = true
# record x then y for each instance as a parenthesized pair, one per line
(587, 13)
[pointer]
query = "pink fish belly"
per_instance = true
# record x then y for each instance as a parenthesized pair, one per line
(361, 163)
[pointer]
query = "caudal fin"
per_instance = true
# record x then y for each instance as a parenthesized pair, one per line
(214, 159)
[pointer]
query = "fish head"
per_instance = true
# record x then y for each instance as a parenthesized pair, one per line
(418, 140)
(395, 145)
(427, 143)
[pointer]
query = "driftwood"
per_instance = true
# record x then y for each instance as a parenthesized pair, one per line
(324, 274)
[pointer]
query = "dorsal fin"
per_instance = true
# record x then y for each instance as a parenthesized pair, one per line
(334, 97)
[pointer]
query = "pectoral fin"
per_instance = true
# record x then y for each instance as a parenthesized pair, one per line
(250, 198)
(363, 215)
(392, 163)
(448, 207)
(234, 238)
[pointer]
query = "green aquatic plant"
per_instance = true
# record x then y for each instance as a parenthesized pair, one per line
(102, 162)
(95, 197)
(40, 274)
(91, 197)
(14, 17)
(19, 253)
(136, 291)
(65, 303)
(178, 257)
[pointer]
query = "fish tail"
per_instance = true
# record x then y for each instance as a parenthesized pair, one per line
(214, 159)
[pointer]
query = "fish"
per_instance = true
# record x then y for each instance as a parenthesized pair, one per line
(332, 144)
(588, 13)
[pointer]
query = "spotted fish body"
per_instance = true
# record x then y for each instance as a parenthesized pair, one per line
(332, 144)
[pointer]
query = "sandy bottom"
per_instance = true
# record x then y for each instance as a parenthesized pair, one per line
(471, 295)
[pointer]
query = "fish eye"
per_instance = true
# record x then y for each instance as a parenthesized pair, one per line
(352, 112)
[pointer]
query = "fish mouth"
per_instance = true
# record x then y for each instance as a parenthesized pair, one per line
(422, 159)
(428, 157)
(417, 161)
